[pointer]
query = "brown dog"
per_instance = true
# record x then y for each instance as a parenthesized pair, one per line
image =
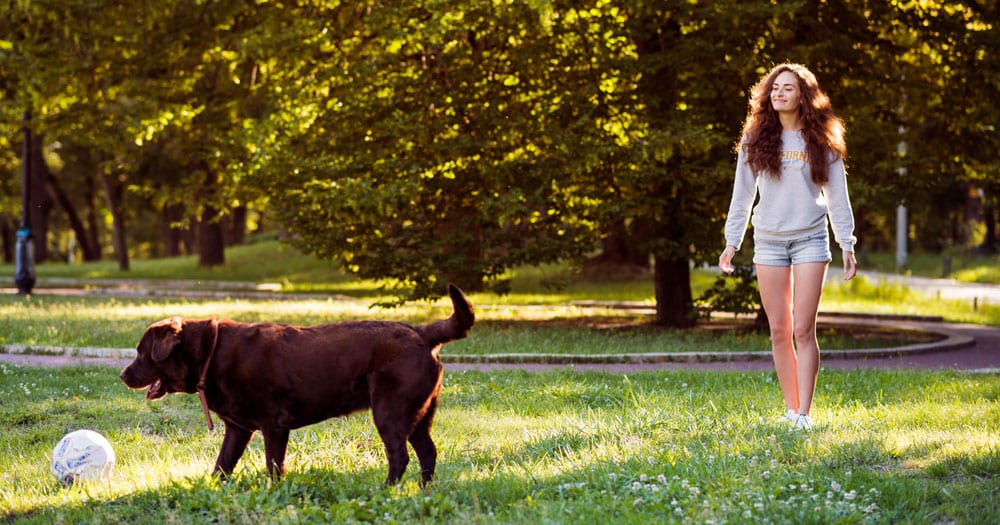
(275, 378)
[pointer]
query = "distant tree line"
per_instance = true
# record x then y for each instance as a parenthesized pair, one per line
(454, 140)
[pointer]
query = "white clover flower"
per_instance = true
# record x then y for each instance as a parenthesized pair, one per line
(850, 495)
(835, 486)
(643, 478)
(661, 479)
(612, 476)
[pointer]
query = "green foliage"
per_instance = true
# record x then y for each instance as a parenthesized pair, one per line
(452, 144)
(741, 298)
(456, 140)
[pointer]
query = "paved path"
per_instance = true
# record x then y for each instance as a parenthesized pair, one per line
(981, 356)
(967, 347)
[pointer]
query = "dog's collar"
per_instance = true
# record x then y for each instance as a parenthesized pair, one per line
(204, 373)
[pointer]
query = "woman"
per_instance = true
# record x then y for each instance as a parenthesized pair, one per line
(792, 153)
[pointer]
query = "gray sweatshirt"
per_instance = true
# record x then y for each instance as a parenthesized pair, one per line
(792, 207)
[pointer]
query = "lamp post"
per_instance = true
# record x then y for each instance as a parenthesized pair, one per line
(902, 225)
(24, 275)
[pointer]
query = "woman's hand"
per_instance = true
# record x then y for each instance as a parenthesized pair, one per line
(726, 259)
(850, 266)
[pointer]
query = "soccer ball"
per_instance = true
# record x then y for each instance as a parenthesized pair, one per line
(83, 455)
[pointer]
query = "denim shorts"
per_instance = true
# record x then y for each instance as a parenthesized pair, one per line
(811, 249)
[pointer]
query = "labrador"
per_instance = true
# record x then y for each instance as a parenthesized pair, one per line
(274, 378)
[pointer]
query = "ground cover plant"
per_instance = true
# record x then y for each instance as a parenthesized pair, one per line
(519, 447)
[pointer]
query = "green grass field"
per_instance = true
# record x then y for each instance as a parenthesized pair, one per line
(518, 447)
(515, 447)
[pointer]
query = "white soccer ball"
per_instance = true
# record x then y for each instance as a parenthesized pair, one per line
(83, 455)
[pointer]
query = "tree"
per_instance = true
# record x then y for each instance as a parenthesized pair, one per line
(445, 142)
(116, 78)
(453, 140)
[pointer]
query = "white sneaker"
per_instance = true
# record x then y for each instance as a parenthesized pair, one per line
(788, 417)
(803, 422)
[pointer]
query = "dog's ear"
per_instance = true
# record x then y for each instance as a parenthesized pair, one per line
(169, 337)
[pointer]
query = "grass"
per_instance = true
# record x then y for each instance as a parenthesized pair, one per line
(86, 321)
(515, 447)
(963, 267)
(553, 447)
(538, 316)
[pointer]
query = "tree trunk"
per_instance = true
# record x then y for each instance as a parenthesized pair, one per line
(7, 239)
(619, 255)
(672, 280)
(79, 229)
(173, 237)
(236, 233)
(211, 245)
(114, 191)
(991, 239)
(93, 225)
(42, 200)
(211, 240)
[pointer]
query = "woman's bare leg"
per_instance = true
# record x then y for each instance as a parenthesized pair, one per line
(775, 283)
(807, 284)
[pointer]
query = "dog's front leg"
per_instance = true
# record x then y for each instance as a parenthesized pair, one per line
(275, 445)
(234, 443)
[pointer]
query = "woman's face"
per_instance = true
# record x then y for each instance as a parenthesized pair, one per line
(786, 94)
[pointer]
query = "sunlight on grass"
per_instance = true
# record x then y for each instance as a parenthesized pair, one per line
(522, 447)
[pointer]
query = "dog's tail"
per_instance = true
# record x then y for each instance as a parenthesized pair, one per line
(455, 327)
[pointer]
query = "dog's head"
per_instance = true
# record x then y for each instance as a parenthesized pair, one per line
(161, 365)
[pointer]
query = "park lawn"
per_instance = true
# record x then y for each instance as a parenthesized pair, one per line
(102, 322)
(551, 447)
(274, 265)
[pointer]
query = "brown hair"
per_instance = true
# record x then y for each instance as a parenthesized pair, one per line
(821, 128)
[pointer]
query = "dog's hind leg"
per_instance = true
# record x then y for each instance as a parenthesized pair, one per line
(233, 445)
(424, 446)
(395, 451)
(392, 428)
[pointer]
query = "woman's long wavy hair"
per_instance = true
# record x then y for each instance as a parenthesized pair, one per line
(822, 129)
